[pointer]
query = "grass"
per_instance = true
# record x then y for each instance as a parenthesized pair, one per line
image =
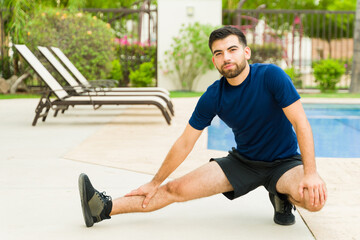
(330, 95)
(13, 96)
(182, 94)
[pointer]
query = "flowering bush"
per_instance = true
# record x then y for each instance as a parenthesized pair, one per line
(132, 55)
(190, 55)
(87, 41)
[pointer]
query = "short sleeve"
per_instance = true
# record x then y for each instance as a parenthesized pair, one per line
(281, 86)
(204, 112)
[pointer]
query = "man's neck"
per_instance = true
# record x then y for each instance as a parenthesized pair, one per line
(236, 81)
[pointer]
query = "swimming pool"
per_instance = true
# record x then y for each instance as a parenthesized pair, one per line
(336, 130)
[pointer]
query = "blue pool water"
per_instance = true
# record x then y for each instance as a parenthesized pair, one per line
(336, 130)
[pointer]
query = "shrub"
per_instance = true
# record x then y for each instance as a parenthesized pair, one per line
(328, 73)
(133, 55)
(144, 76)
(116, 71)
(5, 64)
(190, 55)
(265, 53)
(86, 40)
(295, 76)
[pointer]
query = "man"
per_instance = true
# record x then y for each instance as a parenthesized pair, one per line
(261, 105)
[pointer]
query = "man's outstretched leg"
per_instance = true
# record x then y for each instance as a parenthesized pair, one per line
(205, 181)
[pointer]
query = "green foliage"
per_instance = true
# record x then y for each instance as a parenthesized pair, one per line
(189, 56)
(116, 71)
(5, 71)
(133, 55)
(265, 53)
(144, 76)
(295, 76)
(328, 73)
(86, 40)
(109, 3)
(20, 15)
(286, 4)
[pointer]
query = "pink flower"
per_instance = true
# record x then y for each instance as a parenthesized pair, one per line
(122, 41)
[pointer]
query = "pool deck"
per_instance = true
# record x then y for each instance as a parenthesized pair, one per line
(120, 148)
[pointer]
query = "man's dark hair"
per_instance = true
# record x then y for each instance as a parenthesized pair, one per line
(226, 31)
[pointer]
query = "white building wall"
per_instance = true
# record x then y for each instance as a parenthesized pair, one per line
(171, 15)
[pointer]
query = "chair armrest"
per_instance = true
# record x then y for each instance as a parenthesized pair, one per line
(107, 83)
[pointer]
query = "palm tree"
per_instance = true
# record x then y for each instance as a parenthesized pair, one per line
(355, 79)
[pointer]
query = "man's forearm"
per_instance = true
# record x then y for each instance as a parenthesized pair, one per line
(306, 144)
(177, 154)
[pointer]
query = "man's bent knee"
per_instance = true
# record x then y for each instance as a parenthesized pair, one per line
(305, 202)
(314, 208)
(174, 190)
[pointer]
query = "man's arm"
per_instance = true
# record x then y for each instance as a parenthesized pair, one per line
(311, 181)
(177, 154)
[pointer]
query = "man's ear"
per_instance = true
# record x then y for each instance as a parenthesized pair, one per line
(213, 60)
(247, 51)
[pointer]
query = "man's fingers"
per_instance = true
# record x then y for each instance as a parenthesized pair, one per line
(316, 197)
(325, 192)
(147, 200)
(322, 195)
(311, 196)
(301, 190)
(136, 192)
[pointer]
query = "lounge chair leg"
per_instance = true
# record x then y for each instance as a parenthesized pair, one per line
(167, 117)
(35, 119)
(46, 113)
(56, 112)
(171, 108)
(164, 112)
(39, 108)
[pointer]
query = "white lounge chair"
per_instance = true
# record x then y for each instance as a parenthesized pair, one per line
(86, 83)
(81, 90)
(64, 100)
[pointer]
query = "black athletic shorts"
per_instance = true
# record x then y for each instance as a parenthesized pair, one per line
(245, 175)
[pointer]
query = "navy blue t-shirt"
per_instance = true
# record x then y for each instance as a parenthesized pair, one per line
(253, 110)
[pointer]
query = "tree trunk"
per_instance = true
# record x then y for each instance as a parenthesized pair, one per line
(355, 78)
(17, 82)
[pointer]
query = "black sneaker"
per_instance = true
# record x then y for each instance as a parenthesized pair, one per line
(282, 209)
(96, 206)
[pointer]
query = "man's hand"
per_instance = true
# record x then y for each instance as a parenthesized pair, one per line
(147, 190)
(316, 188)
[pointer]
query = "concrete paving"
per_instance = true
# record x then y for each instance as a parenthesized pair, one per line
(40, 198)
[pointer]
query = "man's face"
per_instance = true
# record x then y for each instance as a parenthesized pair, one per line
(229, 56)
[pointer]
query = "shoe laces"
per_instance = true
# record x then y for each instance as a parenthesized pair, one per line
(104, 198)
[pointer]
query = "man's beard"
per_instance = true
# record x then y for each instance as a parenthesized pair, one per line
(232, 73)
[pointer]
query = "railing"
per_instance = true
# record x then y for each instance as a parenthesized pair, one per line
(303, 36)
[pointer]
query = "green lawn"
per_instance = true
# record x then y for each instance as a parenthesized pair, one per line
(179, 94)
(12, 96)
(330, 95)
